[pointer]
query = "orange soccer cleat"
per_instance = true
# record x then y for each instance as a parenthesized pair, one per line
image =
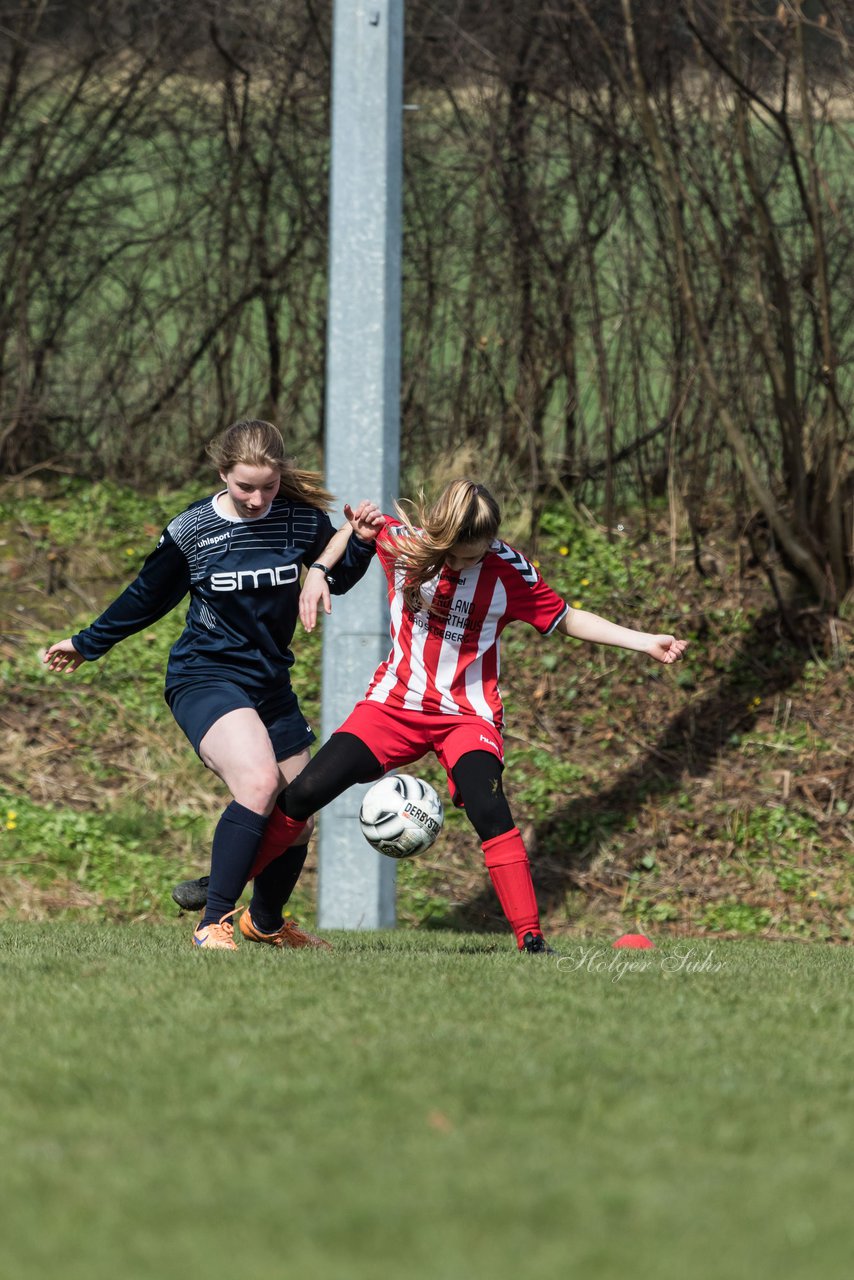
(288, 935)
(218, 936)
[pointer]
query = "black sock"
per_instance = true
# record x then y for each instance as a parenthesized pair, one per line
(274, 886)
(235, 843)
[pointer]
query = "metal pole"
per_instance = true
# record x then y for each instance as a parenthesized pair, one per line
(356, 887)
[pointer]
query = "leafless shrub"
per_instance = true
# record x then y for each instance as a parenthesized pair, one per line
(627, 248)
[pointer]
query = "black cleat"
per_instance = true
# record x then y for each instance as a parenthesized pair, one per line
(534, 944)
(192, 895)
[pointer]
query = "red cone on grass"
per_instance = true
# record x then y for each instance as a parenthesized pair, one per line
(635, 942)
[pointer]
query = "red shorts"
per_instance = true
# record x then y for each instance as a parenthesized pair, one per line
(398, 737)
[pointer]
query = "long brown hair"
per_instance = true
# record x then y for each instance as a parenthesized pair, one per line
(463, 512)
(257, 443)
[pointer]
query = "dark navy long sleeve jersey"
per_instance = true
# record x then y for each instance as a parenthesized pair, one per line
(243, 577)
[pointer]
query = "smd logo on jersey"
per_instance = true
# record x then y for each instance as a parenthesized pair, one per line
(251, 579)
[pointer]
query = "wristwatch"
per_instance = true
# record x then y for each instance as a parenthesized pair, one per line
(323, 569)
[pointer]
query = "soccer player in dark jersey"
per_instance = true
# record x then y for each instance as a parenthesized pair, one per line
(453, 586)
(240, 554)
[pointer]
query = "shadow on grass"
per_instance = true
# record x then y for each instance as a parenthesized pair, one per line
(688, 747)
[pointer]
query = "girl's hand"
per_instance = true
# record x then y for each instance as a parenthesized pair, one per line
(62, 656)
(666, 648)
(315, 591)
(366, 521)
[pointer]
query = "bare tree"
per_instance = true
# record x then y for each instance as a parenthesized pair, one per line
(162, 205)
(662, 252)
(627, 246)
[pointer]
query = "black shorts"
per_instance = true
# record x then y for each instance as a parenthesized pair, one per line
(198, 704)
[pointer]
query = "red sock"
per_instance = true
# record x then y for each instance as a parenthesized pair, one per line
(279, 834)
(510, 873)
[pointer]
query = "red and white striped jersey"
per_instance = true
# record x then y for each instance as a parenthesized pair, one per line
(446, 658)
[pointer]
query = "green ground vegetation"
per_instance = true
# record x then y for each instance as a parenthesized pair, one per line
(710, 798)
(422, 1105)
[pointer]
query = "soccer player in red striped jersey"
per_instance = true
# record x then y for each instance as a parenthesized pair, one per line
(453, 587)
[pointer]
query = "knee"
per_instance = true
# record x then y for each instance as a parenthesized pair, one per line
(259, 789)
(300, 802)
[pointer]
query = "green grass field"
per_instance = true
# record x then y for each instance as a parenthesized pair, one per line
(422, 1105)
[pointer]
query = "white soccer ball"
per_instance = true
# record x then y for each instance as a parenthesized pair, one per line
(401, 816)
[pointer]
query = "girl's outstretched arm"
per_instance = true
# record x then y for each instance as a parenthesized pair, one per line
(582, 625)
(161, 583)
(365, 521)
